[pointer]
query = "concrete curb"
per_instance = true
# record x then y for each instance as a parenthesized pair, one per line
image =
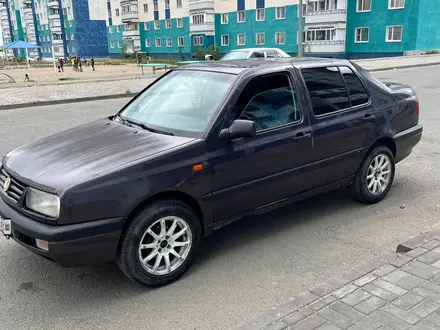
(405, 67)
(322, 290)
(75, 100)
(116, 96)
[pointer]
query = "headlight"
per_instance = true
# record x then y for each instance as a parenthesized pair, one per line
(43, 203)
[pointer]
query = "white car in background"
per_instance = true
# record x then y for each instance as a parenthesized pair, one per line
(246, 53)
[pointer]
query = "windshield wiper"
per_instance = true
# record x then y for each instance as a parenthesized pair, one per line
(154, 130)
(123, 120)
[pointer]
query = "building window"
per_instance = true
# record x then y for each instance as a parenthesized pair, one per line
(65, 24)
(110, 29)
(241, 16)
(168, 24)
(320, 34)
(179, 3)
(260, 38)
(198, 19)
(117, 12)
(241, 39)
(180, 41)
(156, 25)
(118, 28)
(394, 33)
(157, 42)
(67, 37)
(225, 18)
(72, 36)
(363, 5)
(198, 41)
(280, 38)
(68, 49)
(180, 22)
(145, 7)
(112, 44)
(73, 49)
(396, 4)
(119, 44)
(280, 13)
(146, 26)
(147, 43)
(167, 4)
(225, 40)
(362, 35)
(156, 6)
(169, 42)
(260, 14)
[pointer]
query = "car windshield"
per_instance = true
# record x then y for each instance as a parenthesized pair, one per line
(181, 103)
(236, 55)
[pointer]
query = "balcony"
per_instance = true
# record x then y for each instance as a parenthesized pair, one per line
(204, 28)
(325, 46)
(131, 34)
(53, 4)
(130, 16)
(200, 5)
(54, 16)
(57, 42)
(326, 16)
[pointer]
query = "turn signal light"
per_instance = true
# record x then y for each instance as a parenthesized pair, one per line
(43, 245)
(417, 107)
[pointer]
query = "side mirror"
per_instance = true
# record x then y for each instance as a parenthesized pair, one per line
(239, 128)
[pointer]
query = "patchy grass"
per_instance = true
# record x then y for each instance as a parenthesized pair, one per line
(432, 52)
(66, 78)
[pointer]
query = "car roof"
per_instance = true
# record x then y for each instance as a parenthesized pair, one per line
(253, 49)
(239, 66)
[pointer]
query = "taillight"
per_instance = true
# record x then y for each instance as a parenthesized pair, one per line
(417, 107)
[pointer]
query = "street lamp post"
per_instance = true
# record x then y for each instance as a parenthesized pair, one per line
(300, 30)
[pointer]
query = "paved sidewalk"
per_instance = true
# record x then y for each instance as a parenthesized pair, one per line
(123, 79)
(398, 291)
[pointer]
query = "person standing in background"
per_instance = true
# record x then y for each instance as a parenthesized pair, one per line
(92, 62)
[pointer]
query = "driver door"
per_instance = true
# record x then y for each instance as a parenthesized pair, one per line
(253, 172)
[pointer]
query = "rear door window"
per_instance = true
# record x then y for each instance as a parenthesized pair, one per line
(357, 92)
(326, 89)
(271, 53)
(257, 54)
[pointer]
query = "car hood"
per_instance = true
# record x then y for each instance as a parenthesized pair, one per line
(82, 153)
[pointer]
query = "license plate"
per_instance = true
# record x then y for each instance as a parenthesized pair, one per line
(5, 226)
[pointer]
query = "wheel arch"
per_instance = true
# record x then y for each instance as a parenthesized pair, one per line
(170, 195)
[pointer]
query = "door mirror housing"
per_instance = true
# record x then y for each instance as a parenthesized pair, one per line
(239, 129)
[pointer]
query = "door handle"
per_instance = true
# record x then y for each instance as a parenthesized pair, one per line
(302, 136)
(369, 117)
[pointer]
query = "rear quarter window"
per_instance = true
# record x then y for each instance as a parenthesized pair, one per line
(326, 89)
(356, 90)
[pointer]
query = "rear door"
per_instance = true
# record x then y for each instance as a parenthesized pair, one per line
(342, 118)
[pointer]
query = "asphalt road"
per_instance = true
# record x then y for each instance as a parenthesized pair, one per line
(243, 269)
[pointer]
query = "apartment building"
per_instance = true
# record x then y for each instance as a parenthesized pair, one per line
(167, 28)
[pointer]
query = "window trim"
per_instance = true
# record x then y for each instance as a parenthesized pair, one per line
(177, 22)
(355, 35)
(238, 39)
(363, 11)
(227, 20)
(183, 42)
(238, 16)
(396, 8)
(160, 42)
(166, 42)
(166, 24)
(292, 86)
(256, 15)
(386, 33)
(223, 44)
(276, 12)
(276, 39)
(256, 38)
(349, 109)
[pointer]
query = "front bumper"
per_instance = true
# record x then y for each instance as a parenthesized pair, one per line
(69, 245)
(406, 141)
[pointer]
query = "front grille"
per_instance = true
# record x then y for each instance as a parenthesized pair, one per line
(15, 189)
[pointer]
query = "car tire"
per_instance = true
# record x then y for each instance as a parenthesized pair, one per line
(375, 177)
(145, 238)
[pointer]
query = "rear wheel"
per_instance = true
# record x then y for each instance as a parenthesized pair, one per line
(375, 176)
(160, 243)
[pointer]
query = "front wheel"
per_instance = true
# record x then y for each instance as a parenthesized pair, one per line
(160, 243)
(375, 176)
